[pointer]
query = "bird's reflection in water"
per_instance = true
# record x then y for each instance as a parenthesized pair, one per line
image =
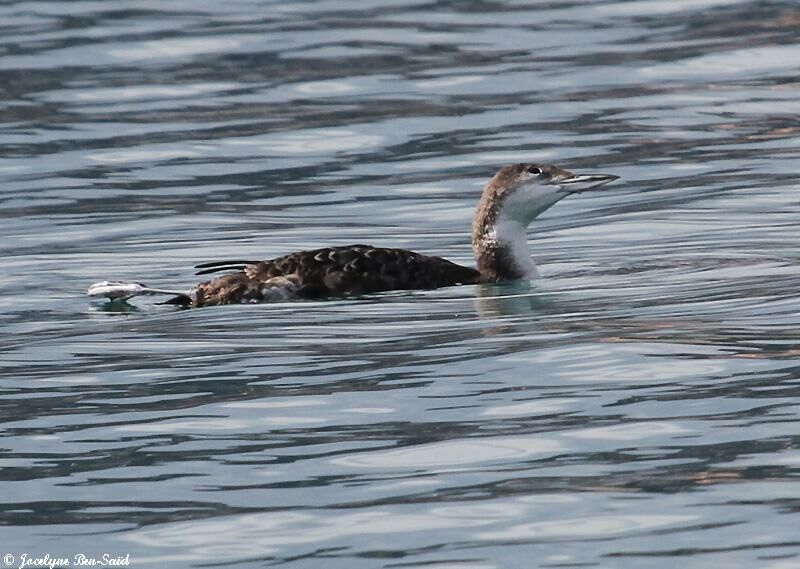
(510, 298)
(115, 307)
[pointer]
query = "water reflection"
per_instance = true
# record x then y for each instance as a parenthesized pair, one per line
(636, 406)
(453, 454)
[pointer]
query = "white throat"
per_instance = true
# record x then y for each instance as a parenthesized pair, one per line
(510, 231)
(513, 235)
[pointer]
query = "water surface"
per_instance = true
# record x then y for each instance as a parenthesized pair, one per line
(636, 407)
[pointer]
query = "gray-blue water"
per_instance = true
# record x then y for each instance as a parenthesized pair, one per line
(639, 406)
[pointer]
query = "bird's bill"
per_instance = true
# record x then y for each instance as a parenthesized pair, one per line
(581, 183)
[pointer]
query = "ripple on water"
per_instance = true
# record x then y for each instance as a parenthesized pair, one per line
(454, 453)
(321, 141)
(637, 406)
(592, 527)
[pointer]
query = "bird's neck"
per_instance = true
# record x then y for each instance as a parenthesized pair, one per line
(499, 235)
(501, 251)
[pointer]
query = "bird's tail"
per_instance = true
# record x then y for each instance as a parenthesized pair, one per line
(119, 290)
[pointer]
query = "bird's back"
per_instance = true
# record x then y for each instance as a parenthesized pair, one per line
(332, 271)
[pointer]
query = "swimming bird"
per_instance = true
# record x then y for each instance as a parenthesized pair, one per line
(511, 200)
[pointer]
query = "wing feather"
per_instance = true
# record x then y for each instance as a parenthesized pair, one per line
(332, 271)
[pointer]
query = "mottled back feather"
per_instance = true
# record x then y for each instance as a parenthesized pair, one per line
(332, 271)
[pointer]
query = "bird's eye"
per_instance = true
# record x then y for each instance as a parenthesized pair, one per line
(535, 170)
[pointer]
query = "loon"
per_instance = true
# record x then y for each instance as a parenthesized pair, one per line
(511, 200)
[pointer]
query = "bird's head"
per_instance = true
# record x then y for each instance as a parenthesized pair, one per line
(523, 191)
